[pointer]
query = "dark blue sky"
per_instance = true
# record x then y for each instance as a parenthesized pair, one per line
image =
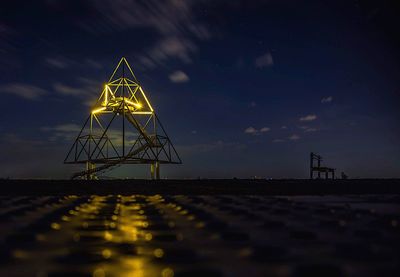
(244, 88)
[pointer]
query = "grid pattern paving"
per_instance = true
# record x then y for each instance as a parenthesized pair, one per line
(220, 235)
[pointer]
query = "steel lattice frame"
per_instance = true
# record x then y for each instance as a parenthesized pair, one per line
(140, 137)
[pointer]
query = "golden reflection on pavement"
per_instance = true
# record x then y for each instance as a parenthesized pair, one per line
(167, 236)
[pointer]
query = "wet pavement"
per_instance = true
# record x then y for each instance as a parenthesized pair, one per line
(219, 235)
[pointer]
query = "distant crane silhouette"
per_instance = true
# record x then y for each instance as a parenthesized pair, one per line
(318, 168)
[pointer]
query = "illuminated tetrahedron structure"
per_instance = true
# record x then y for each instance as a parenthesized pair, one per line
(122, 128)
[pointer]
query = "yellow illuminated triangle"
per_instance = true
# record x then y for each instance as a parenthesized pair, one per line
(125, 69)
(123, 90)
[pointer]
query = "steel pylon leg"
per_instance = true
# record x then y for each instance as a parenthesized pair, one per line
(155, 171)
(89, 167)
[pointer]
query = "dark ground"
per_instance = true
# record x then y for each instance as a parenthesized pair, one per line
(201, 187)
(284, 228)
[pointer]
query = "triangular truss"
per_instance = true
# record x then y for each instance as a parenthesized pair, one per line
(122, 128)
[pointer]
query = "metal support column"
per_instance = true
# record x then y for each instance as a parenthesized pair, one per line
(89, 167)
(155, 170)
(319, 165)
(157, 165)
(311, 165)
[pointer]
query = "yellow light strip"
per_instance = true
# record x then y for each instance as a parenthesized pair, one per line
(98, 110)
(98, 121)
(133, 82)
(101, 95)
(130, 69)
(116, 80)
(132, 92)
(115, 70)
(127, 84)
(111, 93)
(145, 98)
(116, 89)
(106, 95)
(137, 105)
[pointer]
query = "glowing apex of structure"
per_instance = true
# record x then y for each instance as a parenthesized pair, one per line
(121, 65)
(123, 93)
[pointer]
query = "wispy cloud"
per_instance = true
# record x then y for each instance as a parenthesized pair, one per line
(254, 131)
(60, 62)
(278, 140)
(294, 137)
(172, 47)
(178, 77)
(26, 91)
(310, 117)
(71, 91)
(250, 130)
(308, 129)
(265, 60)
(68, 132)
(10, 138)
(252, 104)
(327, 99)
(94, 64)
(88, 90)
(57, 63)
(284, 127)
(311, 130)
(174, 21)
(169, 17)
(62, 128)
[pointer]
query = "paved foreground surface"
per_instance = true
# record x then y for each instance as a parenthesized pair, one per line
(220, 235)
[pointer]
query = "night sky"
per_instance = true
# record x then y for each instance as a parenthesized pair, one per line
(243, 88)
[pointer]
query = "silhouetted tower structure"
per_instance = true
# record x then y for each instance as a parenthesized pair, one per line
(318, 168)
(122, 128)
